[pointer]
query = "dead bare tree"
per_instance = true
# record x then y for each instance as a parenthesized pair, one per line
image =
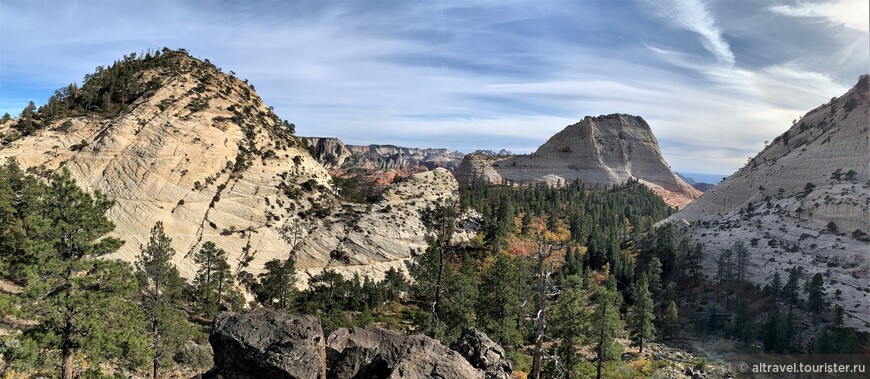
(545, 290)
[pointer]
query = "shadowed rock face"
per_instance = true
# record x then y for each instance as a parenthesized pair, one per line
(483, 353)
(373, 352)
(786, 197)
(600, 151)
(266, 343)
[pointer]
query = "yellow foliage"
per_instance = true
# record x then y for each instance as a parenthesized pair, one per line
(519, 375)
(643, 366)
(12, 374)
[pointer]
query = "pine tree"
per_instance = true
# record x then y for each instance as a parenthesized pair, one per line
(606, 326)
(791, 289)
(26, 124)
(741, 255)
(278, 283)
(570, 322)
(838, 316)
(160, 291)
(641, 322)
(743, 327)
(666, 248)
(394, 284)
(694, 259)
(82, 303)
(214, 284)
(498, 301)
(671, 321)
(654, 275)
(776, 285)
(460, 298)
(817, 293)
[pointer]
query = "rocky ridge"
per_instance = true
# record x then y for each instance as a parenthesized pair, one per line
(378, 163)
(202, 153)
(601, 151)
(803, 202)
(267, 343)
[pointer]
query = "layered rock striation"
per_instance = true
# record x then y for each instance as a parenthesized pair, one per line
(601, 151)
(802, 202)
(202, 154)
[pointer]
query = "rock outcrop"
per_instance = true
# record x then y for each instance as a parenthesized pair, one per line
(802, 202)
(264, 343)
(371, 239)
(201, 153)
(378, 163)
(373, 352)
(600, 151)
(483, 353)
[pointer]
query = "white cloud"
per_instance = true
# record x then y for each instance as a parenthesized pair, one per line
(849, 13)
(461, 78)
(692, 15)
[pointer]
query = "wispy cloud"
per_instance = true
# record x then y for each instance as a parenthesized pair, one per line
(849, 13)
(692, 15)
(468, 75)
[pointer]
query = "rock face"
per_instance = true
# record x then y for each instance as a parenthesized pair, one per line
(267, 344)
(204, 155)
(785, 200)
(601, 151)
(378, 163)
(270, 344)
(483, 353)
(378, 353)
(370, 239)
(362, 352)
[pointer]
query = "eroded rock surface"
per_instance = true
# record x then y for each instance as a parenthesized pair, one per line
(783, 203)
(263, 343)
(483, 353)
(378, 163)
(202, 154)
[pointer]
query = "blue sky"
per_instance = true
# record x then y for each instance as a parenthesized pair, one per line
(714, 79)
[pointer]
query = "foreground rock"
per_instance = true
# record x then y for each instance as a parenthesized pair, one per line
(483, 353)
(802, 202)
(378, 353)
(267, 344)
(362, 352)
(601, 151)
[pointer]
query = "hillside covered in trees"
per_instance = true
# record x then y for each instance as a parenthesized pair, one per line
(571, 282)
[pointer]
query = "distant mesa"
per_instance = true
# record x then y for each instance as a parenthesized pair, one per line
(379, 164)
(601, 151)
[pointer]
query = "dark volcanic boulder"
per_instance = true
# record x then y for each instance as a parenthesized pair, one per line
(424, 357)
(362, 352)
(264, 343)
(483, 353)
(373, 352)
